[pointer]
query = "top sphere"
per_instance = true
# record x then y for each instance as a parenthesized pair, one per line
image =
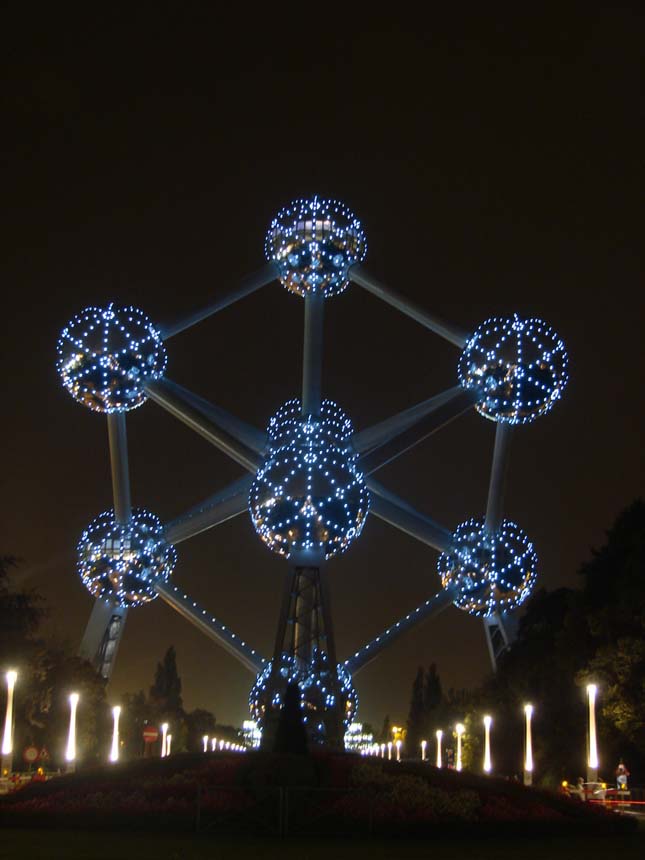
(105, 355)
(518, 368)
(313, 243)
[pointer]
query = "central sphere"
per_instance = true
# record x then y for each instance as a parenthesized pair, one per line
(123, 562)
(309, 494)
(314, 243)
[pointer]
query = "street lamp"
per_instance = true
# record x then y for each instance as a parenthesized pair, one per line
(424, 744)
(205, 742)
(168, 742)
(487, 724)
(164, 735)
(460, 729)
(592, 763)
(7, 738)
(70, 752)
(398, 750)
(528, 754)
(114, 751)
(382, 750)
(389, 750)
(439, 735)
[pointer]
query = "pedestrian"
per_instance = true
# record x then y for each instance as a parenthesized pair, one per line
(621, 776)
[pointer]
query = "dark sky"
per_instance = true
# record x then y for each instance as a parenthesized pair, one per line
(496, 166)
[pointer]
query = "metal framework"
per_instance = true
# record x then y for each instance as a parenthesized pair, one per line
(315, 249)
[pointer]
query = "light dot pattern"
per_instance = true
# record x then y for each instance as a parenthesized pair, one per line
(105, 355)
(123, 562)
(518, 368)
(494, 571)
(309, 493)
(313, 243)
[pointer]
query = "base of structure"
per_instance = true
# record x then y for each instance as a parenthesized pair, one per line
(102, 636)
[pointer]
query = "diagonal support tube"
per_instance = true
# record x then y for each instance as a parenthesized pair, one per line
(118, 441)
(381, 433)
(425, 426)
(213, 628)
(312, 353)
(498, 474)
(249, 285)
(386, 507)
(445, 330)
(169, 396)
(222, 506)
(429, 609)
(251, 437)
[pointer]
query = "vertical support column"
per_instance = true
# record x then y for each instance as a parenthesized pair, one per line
(102, 636)
(103, 633)
(312, 353)
(499, 628)
(498, 473)
(117, 436)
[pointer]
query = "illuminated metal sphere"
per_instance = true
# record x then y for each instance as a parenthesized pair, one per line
(493, 571)
(105, 355)
(324, 693)
(314, 242)
(123, 563)
(518, 368)
(309, 494)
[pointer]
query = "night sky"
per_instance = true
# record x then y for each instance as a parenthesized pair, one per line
(496, 166)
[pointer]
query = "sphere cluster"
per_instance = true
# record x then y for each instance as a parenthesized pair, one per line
(124, 562)
(518, 368)
(322, 691)
(494, 571)
(313, 243)
(105, 355)
(309, 493)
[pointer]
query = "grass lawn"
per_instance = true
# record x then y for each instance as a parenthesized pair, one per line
(80, 845)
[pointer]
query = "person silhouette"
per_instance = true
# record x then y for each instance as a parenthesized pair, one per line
(621, 776)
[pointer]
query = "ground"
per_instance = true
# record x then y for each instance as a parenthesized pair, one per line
(75, 845)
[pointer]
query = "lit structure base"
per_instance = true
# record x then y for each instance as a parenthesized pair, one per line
(102, 636)
(304, 652)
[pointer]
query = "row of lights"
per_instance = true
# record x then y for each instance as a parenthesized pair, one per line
(70, 749)
(382, 749)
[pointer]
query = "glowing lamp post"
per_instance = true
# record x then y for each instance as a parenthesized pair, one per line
(439, 734)
(460, 729)
(398, 750)
(424, 745)
(382, 750)
(114, 750)
(7, 738)
(528, 747)
(389, 750)
(487, 763)
(70, 752)
(164, 736)
(168, 742)
(205, 742)
(592, 762)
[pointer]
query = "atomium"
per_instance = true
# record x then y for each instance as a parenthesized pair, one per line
(313, 243)
(322, 691)
(518, 368)
(306, 491)
(494, 571)
(105, 355)
(124, 562)
(309, 493)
